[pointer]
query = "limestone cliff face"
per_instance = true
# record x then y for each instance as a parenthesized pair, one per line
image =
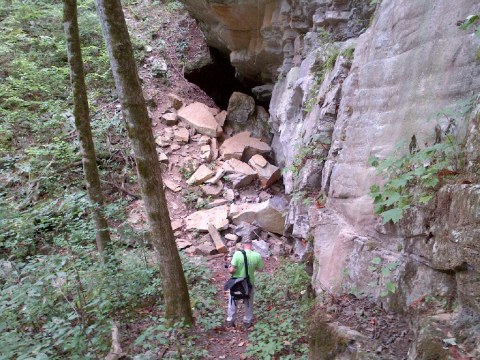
(332, 109)
(261, 35)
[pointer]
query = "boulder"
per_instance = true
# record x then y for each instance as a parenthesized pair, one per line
(212, 189)
(205, 249)
(263, 92)
(262, 247)
(217, 239)
(169, 119)
(241, 109)
(245, 229)
(203, 173)
(199, 116)
(243, 147)
(200, 220)
(239, 173)
(175, 101)
(269, 215)
(181, 135)
(267, 173)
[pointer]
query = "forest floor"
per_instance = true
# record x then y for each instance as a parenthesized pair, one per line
(182, 40)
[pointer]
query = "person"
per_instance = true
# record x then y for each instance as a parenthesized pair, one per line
(237, 269)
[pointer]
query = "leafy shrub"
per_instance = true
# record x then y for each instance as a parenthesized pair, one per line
(281, 307)
(59, 306)
(411, 179)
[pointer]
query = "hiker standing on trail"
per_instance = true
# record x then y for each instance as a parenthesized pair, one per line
(237, 269)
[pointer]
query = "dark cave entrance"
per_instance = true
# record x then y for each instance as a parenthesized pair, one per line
(218, 80)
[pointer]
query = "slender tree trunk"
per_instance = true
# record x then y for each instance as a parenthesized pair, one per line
(82, 122)
(114, 27)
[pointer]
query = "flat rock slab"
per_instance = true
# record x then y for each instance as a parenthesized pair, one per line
(242, 147)
(268, 215)
(205, 249)
(183, 244)
(217, 216)
(217, 202)
(267, 173)
(172, 185)
(212, 189)
(202, 174)
(237, 166)
(200, 117)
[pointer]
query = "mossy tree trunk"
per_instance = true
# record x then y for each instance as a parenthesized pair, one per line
(177, 301)
(82, 122)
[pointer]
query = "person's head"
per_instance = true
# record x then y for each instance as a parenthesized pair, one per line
(247, 243)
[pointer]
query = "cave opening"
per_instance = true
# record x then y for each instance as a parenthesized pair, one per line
(218, 80)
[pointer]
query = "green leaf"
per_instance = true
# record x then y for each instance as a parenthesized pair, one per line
(425, 199)
(373, 161)
(376, 260)
(391, 287)
(384, 293)
(469, 21)
(385, 271)
(372, 284)
(372, 268)
(393, 215)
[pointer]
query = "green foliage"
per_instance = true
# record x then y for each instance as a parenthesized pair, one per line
(470, 21)
(208, 312)
(385, 273)
(348, 53)
(314, 150)
(282, 307)
(328, 63)
(173, 5)
(195, 198)
(187, 169)
(59, 306)
(411, 179)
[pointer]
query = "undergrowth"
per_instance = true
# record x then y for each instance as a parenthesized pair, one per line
(281, 305)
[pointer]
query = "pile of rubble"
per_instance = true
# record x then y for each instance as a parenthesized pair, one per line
(234, 173)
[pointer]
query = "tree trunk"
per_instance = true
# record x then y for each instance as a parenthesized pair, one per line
(114, 27)
(82, 122)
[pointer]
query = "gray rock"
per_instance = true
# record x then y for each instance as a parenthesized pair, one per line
(269, 215)
(263, 92)
(159, 68)
(247, 230)
(262, 247)
(241, 111)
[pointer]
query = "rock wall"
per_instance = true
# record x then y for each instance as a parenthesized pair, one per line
(332, 109)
